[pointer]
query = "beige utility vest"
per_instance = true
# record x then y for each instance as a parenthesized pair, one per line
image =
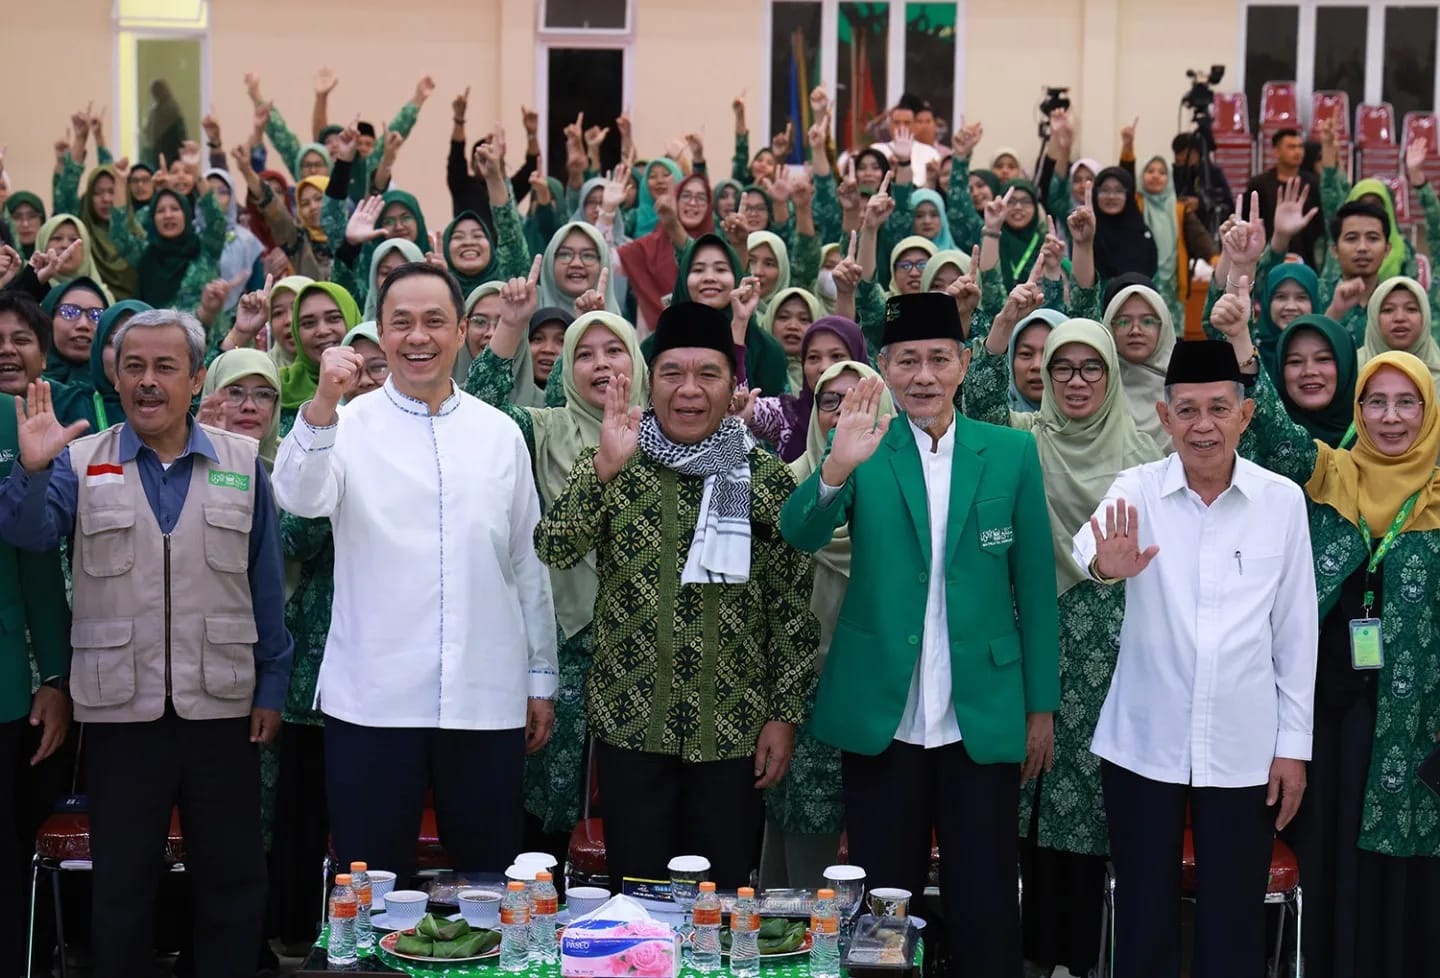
(159, 616)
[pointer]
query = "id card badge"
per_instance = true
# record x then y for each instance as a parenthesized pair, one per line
(1367, 649)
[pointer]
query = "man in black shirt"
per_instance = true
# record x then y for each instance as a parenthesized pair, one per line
(1289, 155)
(1190, 169)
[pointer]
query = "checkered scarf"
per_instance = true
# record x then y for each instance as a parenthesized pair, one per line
(720, 548)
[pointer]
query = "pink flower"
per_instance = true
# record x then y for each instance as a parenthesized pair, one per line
(651, 959)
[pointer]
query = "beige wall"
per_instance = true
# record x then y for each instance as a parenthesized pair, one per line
(1122, 58)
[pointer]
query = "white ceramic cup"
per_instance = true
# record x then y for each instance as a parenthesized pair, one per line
(382, 881)
(540, 860)
(406, 907)
(580, 900)
(480, 908)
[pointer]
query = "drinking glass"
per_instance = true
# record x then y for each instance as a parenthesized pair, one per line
(848, 882)
(686, 875)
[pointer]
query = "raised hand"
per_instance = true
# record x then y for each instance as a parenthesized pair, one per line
(1082, 221)
(596, 135)
(97, 127)
(782, 142)
(1127, 134)
(260, 120)
(965, 290)
(190, 157)
(424, 88)
(492, 155)
(1246, 241)
(778, 188)
(696, 144)
(1117, 548)
(47, 264)
(252, 86)
(593, 300)
(212, 300)
(613, 195)
(276, 263)
(736, 232)
(211, 127)
(1062, 133)
(459, 104)
(436, 255)
(858, 431)
(62, 146)
(540, 188)
(1052, 252)
(1415, 153)
(1290, 215)
(362, 224)
(742, 404)
(995, 210)
(252, 312)
(42, 436)
(966, 138)
(80, 122)
(819, 103)
(393, 141)
(529, 120)
(325, 80)
(665, 208)
(347, 141)
(847, 191)
(519, 297)
(738, 107)
(744, 299)
(849, 272)
(619, 432)
(622, 125)
(902, 141)
(212, 410)
(339, 366)
(1232, 311)
(880, 206)
(122, 170)
(1348, 294)
(801, 188)
(10, 265)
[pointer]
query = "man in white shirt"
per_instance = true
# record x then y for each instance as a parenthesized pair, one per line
(943, 674)
(1210, 705)
(440, 666)
(911, 139)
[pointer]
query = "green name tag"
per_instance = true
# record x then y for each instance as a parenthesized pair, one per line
(1367, 650)
(230, 480)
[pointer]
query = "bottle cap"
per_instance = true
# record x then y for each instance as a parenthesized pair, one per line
(514, 885)
(342, 879)
(358, 867)
(746, 893)
(543, 876)
(825, 895)
(707, 887)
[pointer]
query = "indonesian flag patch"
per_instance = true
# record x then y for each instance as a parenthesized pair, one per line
(104, 475)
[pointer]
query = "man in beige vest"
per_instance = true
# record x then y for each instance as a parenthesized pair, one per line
(181, 657)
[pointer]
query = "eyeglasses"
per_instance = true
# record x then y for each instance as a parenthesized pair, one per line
(1110, 192)
(1021, 202)
(377, 369)
(480, 322)
(912, 266)
(587, 257)
(398, 221)
(829, 400)
(692, 198)
(1408, 408)
(70, 312)
(754, 209)
(264, 397)
(1151, 323)
(1062, 371)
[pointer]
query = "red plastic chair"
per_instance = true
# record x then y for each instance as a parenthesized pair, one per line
(1279, 107)
(1330, 105)
(1375, 126)
(1232, 115)
(585, 863)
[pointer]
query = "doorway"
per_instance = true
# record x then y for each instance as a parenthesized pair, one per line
(589, 80)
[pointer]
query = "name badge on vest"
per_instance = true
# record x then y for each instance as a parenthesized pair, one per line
(229, 480)
(997, 538)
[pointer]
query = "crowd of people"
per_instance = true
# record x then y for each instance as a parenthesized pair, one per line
(315, 515)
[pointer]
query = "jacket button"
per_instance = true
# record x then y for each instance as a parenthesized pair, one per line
(924, 577)
(914, 639)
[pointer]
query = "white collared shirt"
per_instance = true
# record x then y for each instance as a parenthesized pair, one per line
(929, 717)
(921, 156)
(442, 614)
(1216, 672)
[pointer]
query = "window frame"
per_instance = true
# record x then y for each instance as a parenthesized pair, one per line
(128, 31)
(544, 33)
(1305, 45)
(829, 55)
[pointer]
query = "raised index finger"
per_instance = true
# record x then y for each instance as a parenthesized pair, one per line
(535, 269)
(885, 183)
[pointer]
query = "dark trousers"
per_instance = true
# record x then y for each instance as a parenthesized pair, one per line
(27, 796)
(658, 806)
(1233, 831)
(893, 801)
(137, 772)
(300, 835)
(375, 783)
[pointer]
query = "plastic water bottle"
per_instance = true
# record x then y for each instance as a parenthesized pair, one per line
(515, 927)
(705, 945)
(340, 947)
(745, 934)
(360, 883)
(825, 936)
(544, 905)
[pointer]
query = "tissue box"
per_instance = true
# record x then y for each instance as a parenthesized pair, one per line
(619, 940)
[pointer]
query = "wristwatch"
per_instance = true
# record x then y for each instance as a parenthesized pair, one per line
(899, 163)
(58, 682)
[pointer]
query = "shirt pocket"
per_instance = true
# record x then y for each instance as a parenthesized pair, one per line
(107, 540)
(227, 657)
(993, 523)
(102, 668)
(227, 538)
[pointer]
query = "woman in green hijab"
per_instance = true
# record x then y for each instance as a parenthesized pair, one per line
(401, 216)
(1022, 234)
(96, 206)
(573, 260)
(56, 235)
(599, 347)
(660, 177)
(25, 213)
(282, 309)
(709, 272)
(1315, 377)
(805, 812)
(470, 253)
(1291, 290)
(1086, 435)
(241, 394)
(788, 317)
(75, 308)
(770, 263)
(324, 312)
(1162, 217)
(175, 262)
(387, 256)
(1398, 318)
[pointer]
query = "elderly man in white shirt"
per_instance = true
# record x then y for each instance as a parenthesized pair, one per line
(440, 666)
(1211, 702)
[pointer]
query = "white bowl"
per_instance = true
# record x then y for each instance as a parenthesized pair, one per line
(524, 872)
(480, 908)
(406, 906)
(543, 860)
(581, 900)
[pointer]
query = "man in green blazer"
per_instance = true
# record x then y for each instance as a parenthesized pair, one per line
(32, 727)
(944, 673)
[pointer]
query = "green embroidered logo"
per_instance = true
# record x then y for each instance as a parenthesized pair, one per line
(230, 480)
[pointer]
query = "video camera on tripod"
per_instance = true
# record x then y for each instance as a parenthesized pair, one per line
(1055, 100)
(1214, 201)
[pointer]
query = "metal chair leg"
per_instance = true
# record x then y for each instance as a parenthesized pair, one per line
(1274, 969)
(55, 875)
(1299, 932)
(30, 940)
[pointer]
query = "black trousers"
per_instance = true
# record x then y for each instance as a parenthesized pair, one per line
(892, 802)
(136, 772)
(27, 796)
(375, 783)
(1234, 832)
(658, 806)
(300, 835)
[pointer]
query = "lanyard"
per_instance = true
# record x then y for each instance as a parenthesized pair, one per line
(1377, 553)
(1347, 438)
(1034, 243)
(100, 416)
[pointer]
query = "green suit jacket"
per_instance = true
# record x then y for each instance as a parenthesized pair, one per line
(32, 599)
(999, 591)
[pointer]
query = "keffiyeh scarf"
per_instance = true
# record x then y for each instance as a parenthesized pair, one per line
(720, 549)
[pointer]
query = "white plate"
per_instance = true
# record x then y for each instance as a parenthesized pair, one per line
(381, 921)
